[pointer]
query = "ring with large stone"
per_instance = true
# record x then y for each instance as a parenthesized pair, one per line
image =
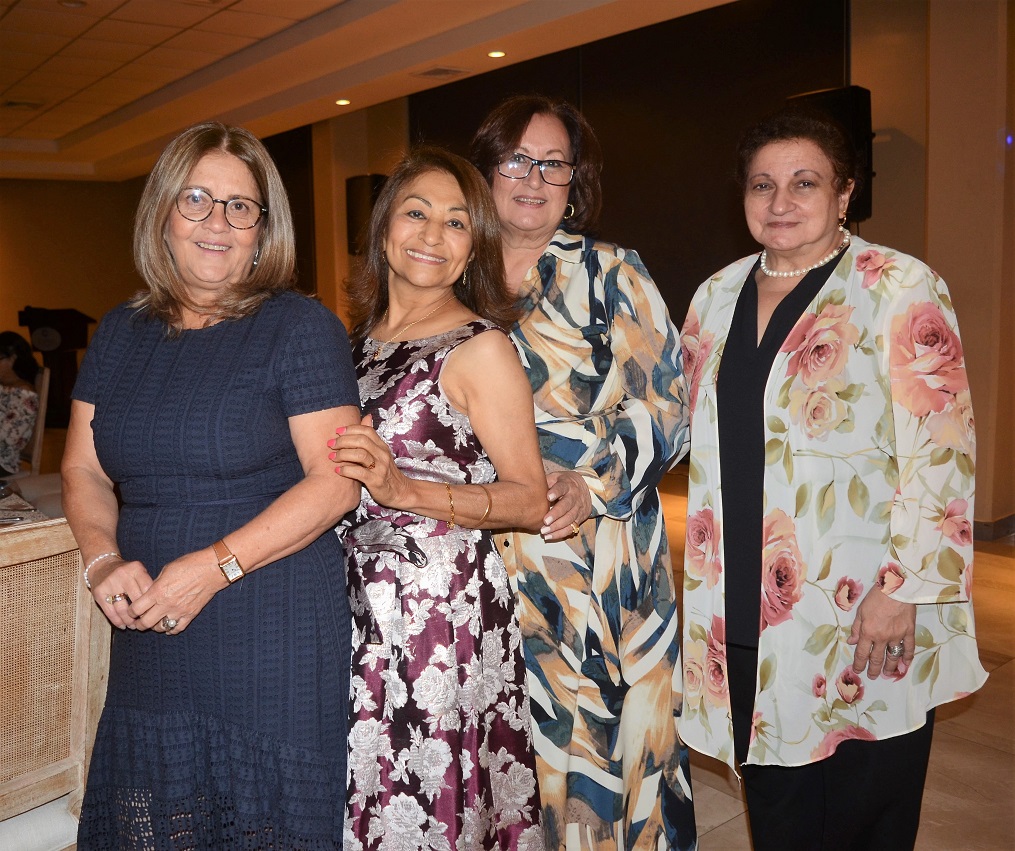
(575, 528)
(896, 650)
(169, 624)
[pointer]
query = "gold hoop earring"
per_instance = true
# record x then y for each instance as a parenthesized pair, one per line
(569, 211)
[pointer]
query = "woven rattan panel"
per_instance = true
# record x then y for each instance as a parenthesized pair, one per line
(37, 617)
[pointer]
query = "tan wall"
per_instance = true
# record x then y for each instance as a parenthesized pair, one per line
(65, 244)
(369, 141)
(941, 86)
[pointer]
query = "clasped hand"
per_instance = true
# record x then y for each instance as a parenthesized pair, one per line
(881, 621)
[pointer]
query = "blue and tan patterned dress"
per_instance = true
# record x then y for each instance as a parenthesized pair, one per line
(599, 611)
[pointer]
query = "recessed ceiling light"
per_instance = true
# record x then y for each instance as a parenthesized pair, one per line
(343, 101)
(496, 54)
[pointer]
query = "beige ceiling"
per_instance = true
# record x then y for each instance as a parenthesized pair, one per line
(93, 89)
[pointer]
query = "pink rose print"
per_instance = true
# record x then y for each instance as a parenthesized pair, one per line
(890, 578)
(849, 685)
(955, 524)
(820, 344)
(872, 264)
(696, 348)
(702, 561)
(819, 685)
(695, 655)
(716, 687)
(783, 570)
(833, 739)
(818, 410)
(927, 366)
(847, 592)
(953, 428)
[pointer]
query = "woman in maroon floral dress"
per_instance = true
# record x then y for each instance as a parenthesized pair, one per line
(440, 750)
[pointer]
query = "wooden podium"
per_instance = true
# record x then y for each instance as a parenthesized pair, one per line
(54, 659)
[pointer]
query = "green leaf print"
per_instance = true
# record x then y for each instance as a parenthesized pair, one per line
(803, 499)
(766, 675)
(697, 632)
(826, 566)
(950, 564)
(773, 449)
(859, 496)
(820, 639)
(826, 507)
(924, 638)
(776, 425)
(958, 621)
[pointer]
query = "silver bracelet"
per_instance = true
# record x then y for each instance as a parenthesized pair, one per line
(94, 562)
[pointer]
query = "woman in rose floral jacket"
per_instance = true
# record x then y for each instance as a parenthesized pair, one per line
(828, 565)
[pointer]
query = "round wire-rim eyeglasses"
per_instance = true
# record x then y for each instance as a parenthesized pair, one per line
(200, 199)
(519, 166)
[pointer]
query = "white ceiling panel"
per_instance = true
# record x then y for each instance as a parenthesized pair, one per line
(94, 93)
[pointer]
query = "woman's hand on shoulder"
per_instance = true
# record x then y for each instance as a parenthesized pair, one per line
(180, 592)
(363, 456)
(116, 583)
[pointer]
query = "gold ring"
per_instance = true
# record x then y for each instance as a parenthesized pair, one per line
(372, 464)
(575, 528)
(115, 598)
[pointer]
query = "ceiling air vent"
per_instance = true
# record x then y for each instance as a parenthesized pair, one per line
(440, 73)
(24, 105)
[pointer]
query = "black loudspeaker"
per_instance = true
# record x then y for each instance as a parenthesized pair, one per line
(361, 192)
(850, 107)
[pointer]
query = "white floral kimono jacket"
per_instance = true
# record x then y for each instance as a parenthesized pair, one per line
(869, 454)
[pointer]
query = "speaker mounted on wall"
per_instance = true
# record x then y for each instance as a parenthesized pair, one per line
(850, 107)
(361, 193)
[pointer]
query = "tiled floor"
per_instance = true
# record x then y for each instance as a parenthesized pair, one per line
(969, 800)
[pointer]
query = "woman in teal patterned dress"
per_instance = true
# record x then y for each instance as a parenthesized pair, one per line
(598, 606)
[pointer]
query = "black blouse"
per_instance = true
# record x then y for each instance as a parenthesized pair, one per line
(740, 393)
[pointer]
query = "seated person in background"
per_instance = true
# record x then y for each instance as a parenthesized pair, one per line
(19, 403)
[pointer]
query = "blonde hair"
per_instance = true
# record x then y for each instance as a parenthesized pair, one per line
(274, 269)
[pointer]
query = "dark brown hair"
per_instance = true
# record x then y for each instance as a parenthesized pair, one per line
(796, 123)
(499, 134)
(481, 288)
(275, 268)
(25, 366)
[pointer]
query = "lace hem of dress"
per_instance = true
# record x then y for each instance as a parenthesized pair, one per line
(185, 782)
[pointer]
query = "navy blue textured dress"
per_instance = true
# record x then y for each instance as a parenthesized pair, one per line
(231, 734)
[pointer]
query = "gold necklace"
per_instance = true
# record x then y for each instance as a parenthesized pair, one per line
(382, 346)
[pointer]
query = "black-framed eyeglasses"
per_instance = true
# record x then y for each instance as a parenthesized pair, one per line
(554, 172)
(196, 205)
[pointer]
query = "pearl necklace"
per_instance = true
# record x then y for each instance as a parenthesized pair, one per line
(797, 272)
(382, 346)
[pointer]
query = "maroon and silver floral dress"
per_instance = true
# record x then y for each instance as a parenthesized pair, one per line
(440, 749)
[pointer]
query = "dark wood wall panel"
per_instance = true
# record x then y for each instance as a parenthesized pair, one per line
(668, 103)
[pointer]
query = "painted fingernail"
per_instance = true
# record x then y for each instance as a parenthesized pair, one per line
(340, 430)
(331, 443)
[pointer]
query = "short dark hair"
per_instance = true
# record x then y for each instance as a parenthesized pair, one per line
(276, 244)
(502, 130)
(25, 365)
(797, 123)
(481, 288)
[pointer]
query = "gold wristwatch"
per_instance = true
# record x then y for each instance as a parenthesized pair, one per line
(228, 564)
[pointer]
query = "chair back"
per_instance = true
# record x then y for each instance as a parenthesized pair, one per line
(32, 453)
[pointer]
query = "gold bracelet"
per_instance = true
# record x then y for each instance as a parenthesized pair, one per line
(451, 500)
(489, 505)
